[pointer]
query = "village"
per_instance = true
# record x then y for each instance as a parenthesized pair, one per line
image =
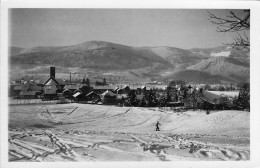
(153, 94)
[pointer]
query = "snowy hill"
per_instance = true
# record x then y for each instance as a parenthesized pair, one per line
(229, 67)
(110, 133)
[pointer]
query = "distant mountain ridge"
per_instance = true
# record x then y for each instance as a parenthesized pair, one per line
(229, 63)
(224, 66)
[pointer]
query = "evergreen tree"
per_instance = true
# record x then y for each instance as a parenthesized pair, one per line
(104, 81)
(162, 101)
(168, 96)
(142, 102)
(83, 81)
(184, 93)
(243, 99)
(131, 99)
(151, 99)
(87, 82)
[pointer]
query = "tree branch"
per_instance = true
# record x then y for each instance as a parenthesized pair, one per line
(233, 23)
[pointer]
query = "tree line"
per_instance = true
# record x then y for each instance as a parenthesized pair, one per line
(171, 97)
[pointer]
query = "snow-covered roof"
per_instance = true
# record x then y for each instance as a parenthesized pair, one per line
(51, 82)
(66, 90)
(108, 93)
(125, 86)
(78, 90)
(46, 80)
(90, 93)
(77, 94)
(116, 89)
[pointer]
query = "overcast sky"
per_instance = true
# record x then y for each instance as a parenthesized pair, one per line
(134, 27)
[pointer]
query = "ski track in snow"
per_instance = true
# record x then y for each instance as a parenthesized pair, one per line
(128, 134)
(56, 146)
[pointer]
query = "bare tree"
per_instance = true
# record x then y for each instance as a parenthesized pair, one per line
(234, 23)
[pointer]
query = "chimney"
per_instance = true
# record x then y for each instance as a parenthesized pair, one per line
(52, 72)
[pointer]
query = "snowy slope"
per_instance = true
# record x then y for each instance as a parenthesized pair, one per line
(109, 133)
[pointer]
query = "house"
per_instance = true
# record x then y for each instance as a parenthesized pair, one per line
(199, 98)
(51, 86)
(143, 88)
(92, 96)
(126, 89)
(116, 90)
(204, 99)
(122, 90)
(29, 89)
(67, 93)
(83, 87)
(72, 87)
(108, 97)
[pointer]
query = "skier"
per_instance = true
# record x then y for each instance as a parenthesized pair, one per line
(157, 126)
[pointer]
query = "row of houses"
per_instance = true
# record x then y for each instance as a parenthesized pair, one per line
(52, 88)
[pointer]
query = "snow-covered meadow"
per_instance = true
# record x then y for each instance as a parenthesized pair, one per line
(84, 132)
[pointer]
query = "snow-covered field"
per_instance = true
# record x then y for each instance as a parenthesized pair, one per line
(219, 54)
(83, 132)
(226, 93)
